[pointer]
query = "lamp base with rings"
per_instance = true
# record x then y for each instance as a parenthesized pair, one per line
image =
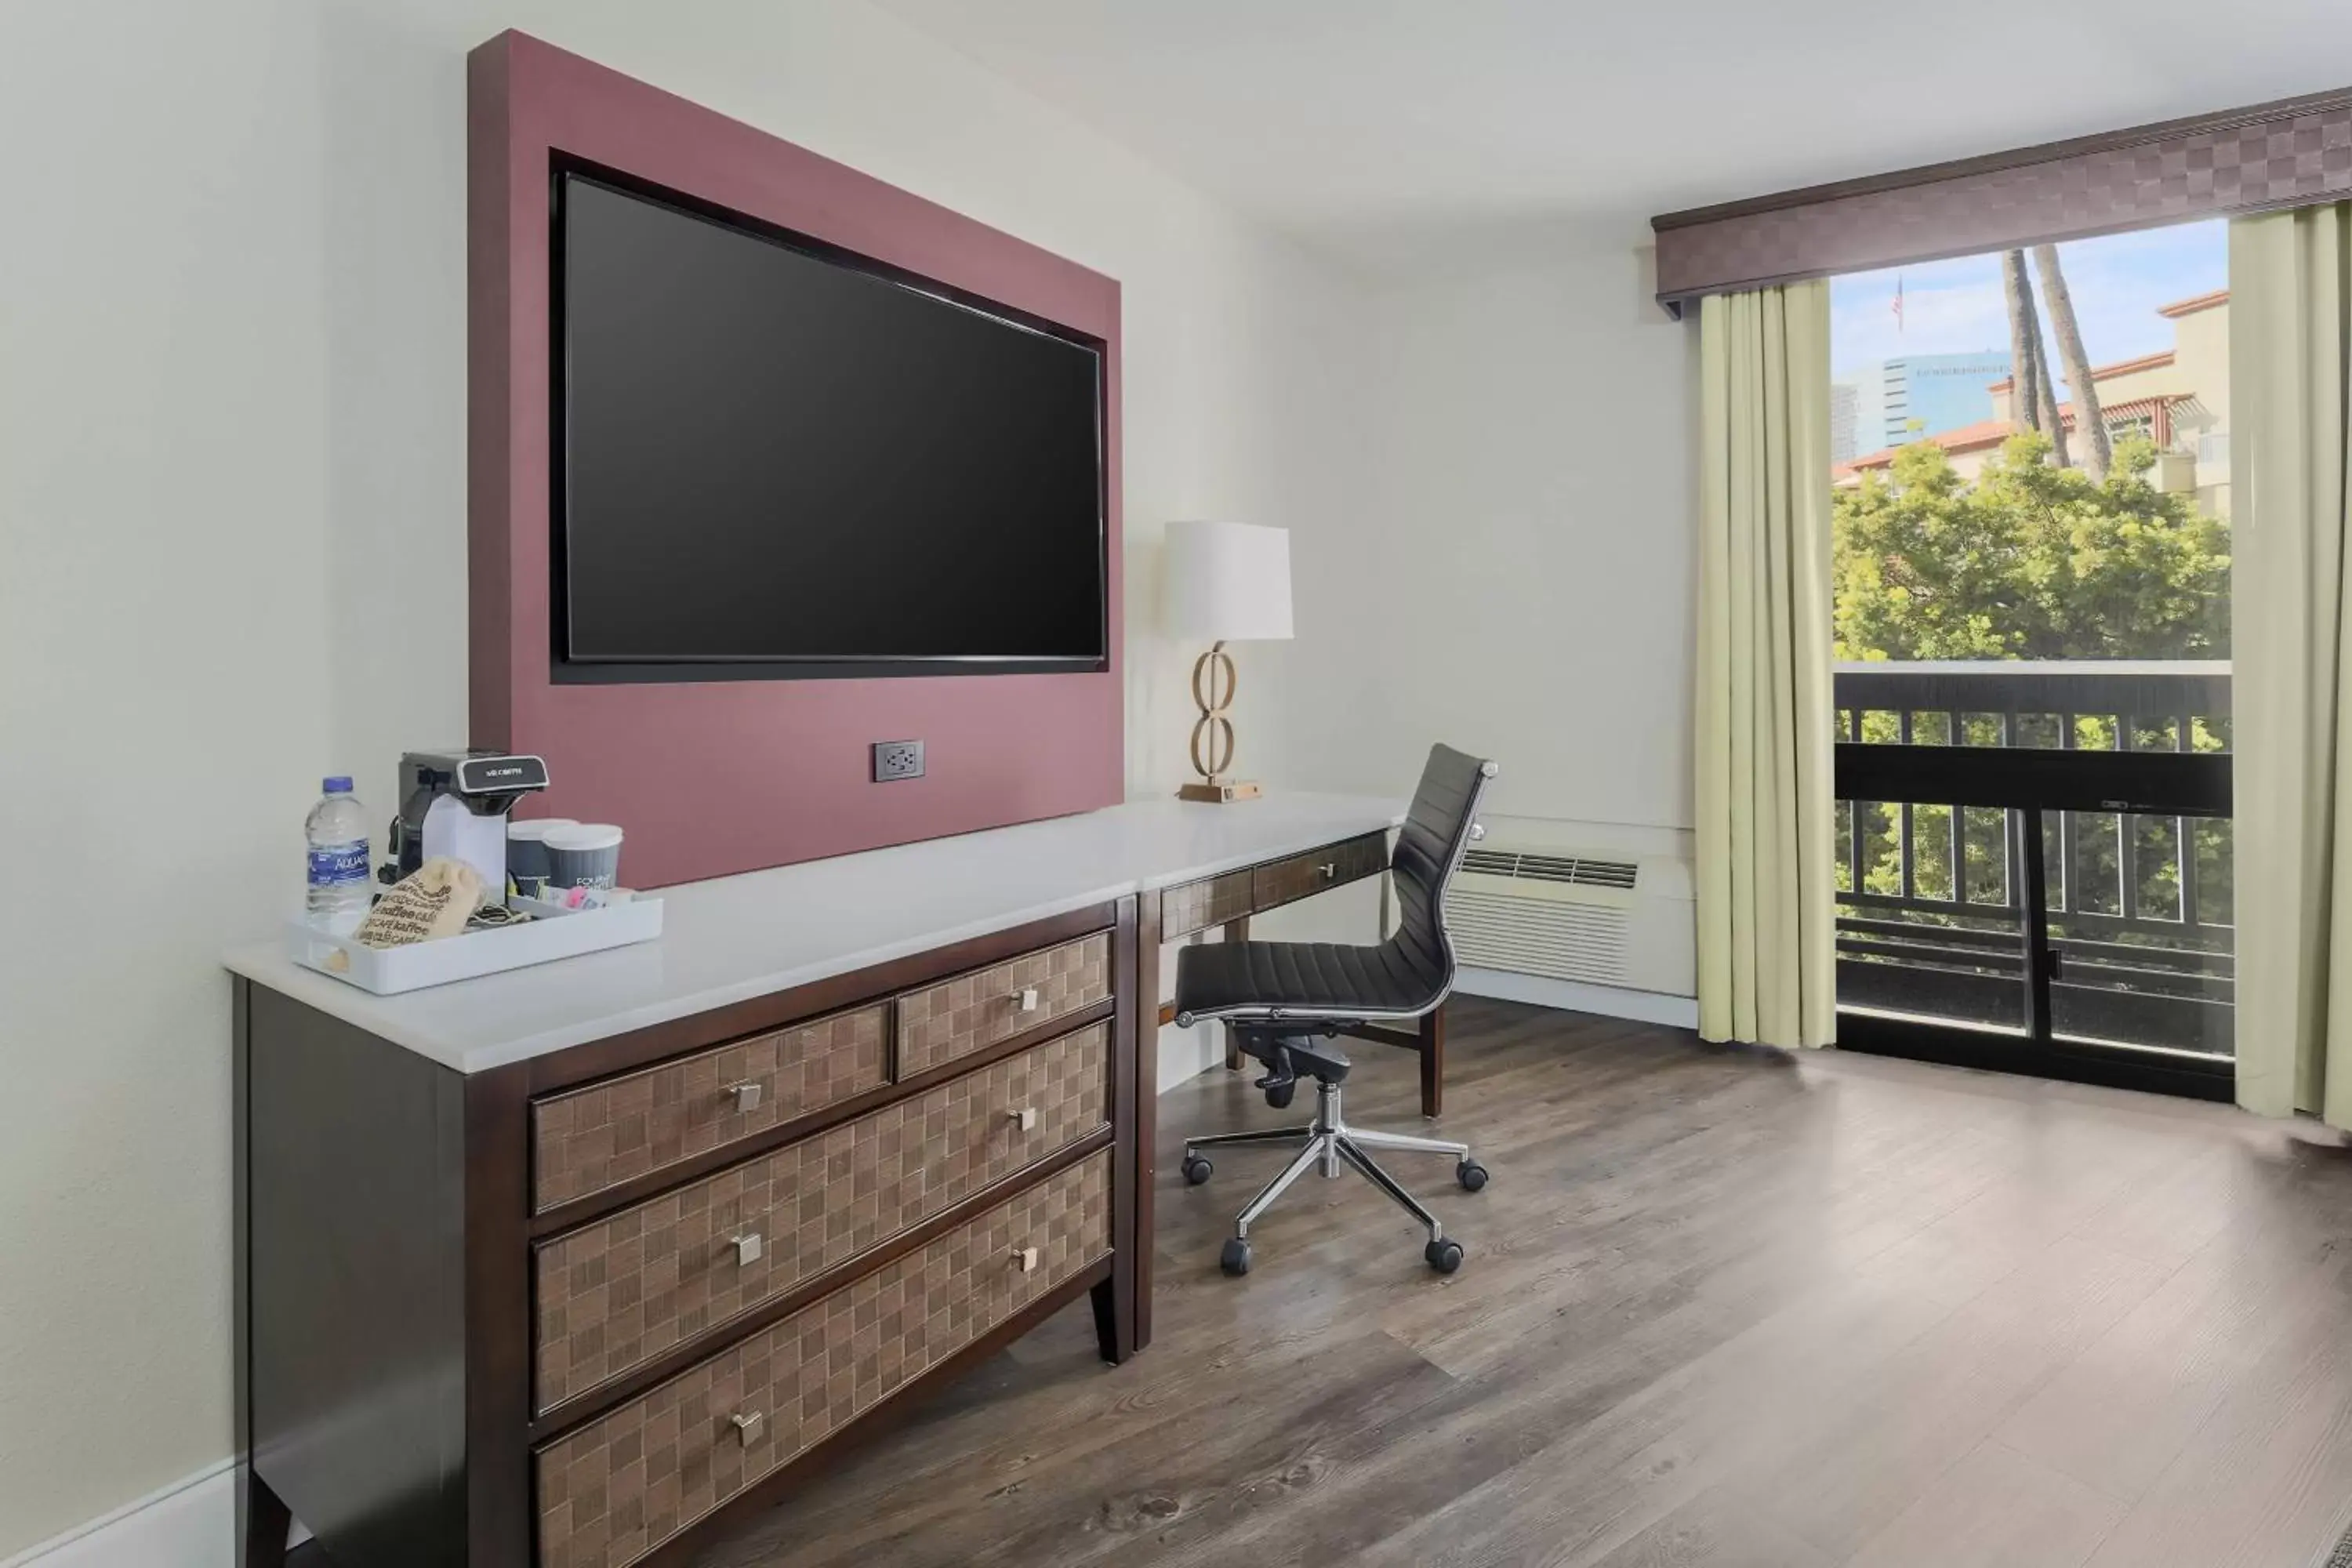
(1215, 682)
(1219, 790)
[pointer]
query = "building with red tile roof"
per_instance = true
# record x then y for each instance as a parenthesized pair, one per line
(2176, 398)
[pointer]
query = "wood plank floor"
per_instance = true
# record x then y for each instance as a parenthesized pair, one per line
(1720, 1307)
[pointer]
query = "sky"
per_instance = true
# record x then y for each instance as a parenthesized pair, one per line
(1956, 307)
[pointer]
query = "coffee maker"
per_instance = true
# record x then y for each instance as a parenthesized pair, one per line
(456, 804)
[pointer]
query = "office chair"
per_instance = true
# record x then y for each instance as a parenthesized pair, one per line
(1286, 1001)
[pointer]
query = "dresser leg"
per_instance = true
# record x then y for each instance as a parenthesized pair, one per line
(263, 1523)
(1433, 1062)
(1111, 1323)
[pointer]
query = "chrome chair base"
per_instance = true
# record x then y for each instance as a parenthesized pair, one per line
(1328, 1143)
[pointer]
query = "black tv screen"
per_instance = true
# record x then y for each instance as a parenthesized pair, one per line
(776, 458)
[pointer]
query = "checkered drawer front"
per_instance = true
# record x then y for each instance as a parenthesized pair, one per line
(971, 1012)
(1211, 901)
(1302, 875)
(619, 1487)
(617, 1293)
(594, 1139)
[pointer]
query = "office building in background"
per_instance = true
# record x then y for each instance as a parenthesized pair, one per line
(1900, 400)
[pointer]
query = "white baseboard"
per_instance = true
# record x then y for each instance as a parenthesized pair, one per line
(191, 1523)
(1186, 1053)
(1577, 997)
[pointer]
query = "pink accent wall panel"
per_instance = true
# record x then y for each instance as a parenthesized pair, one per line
(713, 778)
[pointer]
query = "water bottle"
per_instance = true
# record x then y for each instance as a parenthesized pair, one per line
(337, 829)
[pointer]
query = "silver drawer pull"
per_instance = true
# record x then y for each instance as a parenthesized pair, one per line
(748, 1425)
(748, 1248)
(1331, 869)
(1025, 1259)
(1024, 1118)
(1025, 999)
(745, 1095)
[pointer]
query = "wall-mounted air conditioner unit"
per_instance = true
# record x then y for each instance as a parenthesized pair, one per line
(1594, 918)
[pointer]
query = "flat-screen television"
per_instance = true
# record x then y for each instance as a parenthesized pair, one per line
(775, 458)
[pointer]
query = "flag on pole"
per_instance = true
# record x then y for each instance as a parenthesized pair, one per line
(1898, 303)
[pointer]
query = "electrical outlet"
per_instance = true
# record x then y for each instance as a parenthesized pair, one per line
(895, 760)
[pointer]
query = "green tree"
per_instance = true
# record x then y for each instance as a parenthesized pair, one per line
(2031, 562)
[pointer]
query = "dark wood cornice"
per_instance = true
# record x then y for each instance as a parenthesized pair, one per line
(2016, 158)
(2288, 154)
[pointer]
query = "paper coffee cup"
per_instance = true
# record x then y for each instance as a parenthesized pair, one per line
(526, 849)
(583, 855)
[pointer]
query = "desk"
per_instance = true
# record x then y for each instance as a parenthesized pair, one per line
(567, 1267)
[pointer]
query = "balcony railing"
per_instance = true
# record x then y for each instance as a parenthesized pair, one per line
(1934, 894)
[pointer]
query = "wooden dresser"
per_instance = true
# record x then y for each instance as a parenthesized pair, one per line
(563, 1268)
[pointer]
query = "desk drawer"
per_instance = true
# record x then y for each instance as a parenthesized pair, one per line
(1211, 901)
(612, 1491)
(956, 1017)
(592, 1139)
(613, 1295)
(1300, 876)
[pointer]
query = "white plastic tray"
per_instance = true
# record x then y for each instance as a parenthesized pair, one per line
(558, 933)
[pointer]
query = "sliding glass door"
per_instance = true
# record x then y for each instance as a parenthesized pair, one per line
(2031, 502)
(2008, 899)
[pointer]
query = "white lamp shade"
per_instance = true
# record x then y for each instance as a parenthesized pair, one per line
(1227, 582)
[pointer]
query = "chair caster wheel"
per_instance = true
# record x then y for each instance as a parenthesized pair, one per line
(1235, 1259)
(1445, 1256)
(1196, 1170)
(1471, 1175)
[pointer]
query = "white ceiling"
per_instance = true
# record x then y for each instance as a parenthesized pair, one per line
(1381, 129)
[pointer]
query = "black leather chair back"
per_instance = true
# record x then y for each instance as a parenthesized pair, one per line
(1270, 987)
(1428, 850)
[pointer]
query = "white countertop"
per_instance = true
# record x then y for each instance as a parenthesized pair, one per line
(734, 938)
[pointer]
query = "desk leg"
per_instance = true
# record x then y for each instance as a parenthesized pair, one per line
(1134, 1269)
(1234, 930)
(263, 1522)
(1433, 1062)
(1111, 1327)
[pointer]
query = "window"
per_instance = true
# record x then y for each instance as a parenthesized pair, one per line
(2004, 590)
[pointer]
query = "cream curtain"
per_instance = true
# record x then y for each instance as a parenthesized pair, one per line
(1767, 960)
(2291, 658)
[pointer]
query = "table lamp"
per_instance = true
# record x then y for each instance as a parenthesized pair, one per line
(1227, 582)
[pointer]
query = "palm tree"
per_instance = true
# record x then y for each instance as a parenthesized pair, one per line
(2025, 365)
(2089, 418)
(2033, 396)
(2045, 390)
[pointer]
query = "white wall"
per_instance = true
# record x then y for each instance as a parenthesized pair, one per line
(1521, 580)
(1518, 578)
(232, 337)
(232, 326)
